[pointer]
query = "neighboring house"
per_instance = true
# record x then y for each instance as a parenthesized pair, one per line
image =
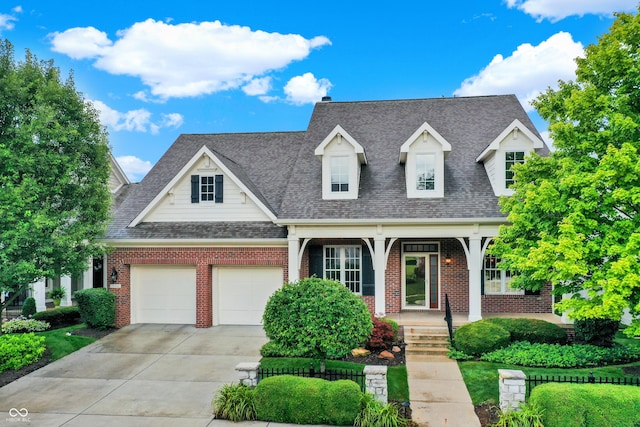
(396, 199)
(96, 275)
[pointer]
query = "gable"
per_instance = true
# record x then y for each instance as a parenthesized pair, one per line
(117, 177)
(233, 201)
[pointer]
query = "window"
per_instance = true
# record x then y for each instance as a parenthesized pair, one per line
(207, 188)
(425, 172)
(342, 263)
(339, 174)
(496, 281)
(511, 158)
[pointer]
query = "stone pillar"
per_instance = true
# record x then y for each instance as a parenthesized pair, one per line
(380, 266)
(512, 389)
(65, 282)
(39, 294)
(376, 381)
(294, 254)
(475, 278)
(248, 373)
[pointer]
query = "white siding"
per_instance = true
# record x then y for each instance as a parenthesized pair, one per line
(177, 206)
(494, 164)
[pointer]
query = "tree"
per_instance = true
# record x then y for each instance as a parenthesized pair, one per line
(54, 171)
(574, 214)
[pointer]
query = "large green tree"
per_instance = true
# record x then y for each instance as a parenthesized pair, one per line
(574, 215)
(54, 171)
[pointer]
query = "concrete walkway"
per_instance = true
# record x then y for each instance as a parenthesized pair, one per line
(439, 396)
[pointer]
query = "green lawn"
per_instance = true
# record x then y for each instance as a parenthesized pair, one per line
(397, 383)
(481, 378)
(60, 344)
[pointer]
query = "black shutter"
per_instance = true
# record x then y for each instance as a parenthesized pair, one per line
(315, 261)
(195, 188)
(218, 190)
(368, 274)
(482, 282)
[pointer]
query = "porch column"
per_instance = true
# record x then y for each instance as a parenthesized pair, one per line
(380, 267)
(65, 282)
(39, 294)
(294, 253)
(475, 278)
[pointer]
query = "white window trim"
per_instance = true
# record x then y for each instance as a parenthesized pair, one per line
(339, 162)
(342, 271)
(213, 193)
(504, 289)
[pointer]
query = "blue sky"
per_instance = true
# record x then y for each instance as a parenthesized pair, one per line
(158, 69)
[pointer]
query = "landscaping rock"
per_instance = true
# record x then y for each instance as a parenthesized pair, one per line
(396, 349)
(386, 355)
(360, 352)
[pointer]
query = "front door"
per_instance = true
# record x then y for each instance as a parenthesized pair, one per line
(421, 285)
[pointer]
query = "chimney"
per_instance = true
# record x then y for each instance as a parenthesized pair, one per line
(326, 99)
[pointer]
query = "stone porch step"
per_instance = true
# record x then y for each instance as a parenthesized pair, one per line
(426, 340)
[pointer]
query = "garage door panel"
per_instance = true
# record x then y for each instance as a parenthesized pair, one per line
(244, 292)
(163, 294)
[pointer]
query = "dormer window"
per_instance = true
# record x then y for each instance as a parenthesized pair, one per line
(339, 174)
(342, 157)
(423, 155)
(511, 158)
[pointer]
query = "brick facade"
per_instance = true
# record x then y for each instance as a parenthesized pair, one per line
(203, 258)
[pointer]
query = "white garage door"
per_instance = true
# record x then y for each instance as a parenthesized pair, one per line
(163, 294)
(243, 293)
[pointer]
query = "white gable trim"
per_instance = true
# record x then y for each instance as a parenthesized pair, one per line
(424, 129)
(338, 130)
(118, 172)
(515, 125)
(204, 151)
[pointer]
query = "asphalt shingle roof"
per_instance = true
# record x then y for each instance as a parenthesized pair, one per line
(280, 168)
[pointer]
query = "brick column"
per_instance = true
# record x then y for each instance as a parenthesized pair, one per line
(512, 389)
(376, 381)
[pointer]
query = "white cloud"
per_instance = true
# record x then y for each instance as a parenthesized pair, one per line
(556, 10)
(135, 120)
(258, 86)
(306, 89)
(186, 60)
(7, 21)
(134, 167)
(529, 70)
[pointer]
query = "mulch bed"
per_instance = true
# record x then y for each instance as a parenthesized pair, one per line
(11, 375)
(488, 414)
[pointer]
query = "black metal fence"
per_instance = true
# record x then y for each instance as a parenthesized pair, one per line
(448, 317)
(535, 380)
(329, 374)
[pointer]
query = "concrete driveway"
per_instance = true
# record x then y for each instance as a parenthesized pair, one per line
(140, 375)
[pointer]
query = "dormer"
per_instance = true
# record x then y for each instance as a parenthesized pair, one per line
(342, 157)
(423, 155)
(510, 147)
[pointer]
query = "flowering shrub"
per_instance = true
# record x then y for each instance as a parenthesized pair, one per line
(22, 324)
(20, 350)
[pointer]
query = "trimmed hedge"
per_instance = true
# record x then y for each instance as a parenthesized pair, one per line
(480, 337)
(18, 350)
(29, 307)
(298, 400)
(60, 316)
(588, 405)
(97, 307)
(600, 332)
(531, 330)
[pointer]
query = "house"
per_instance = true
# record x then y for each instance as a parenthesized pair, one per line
(396, 199)
(95, 276)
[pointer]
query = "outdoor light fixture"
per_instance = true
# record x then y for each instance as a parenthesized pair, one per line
(114, 275)
(447, 259)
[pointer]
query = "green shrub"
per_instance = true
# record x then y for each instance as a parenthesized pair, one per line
(298, 400)
(234, 403)
(394, 327)
(376, 414)
(60, 316)
(562, 356)
(528, 416)
(97, 307)
(22, 324)
(600, 332)
(480, 337)
(29, 307)
(316, 318)
(532, 330)
(588, 405)
(18, 350)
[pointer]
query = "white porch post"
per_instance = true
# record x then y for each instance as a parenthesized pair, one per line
(380, 266)
(39, 294)
(65, 282)
(294, 253)
(475, 271)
